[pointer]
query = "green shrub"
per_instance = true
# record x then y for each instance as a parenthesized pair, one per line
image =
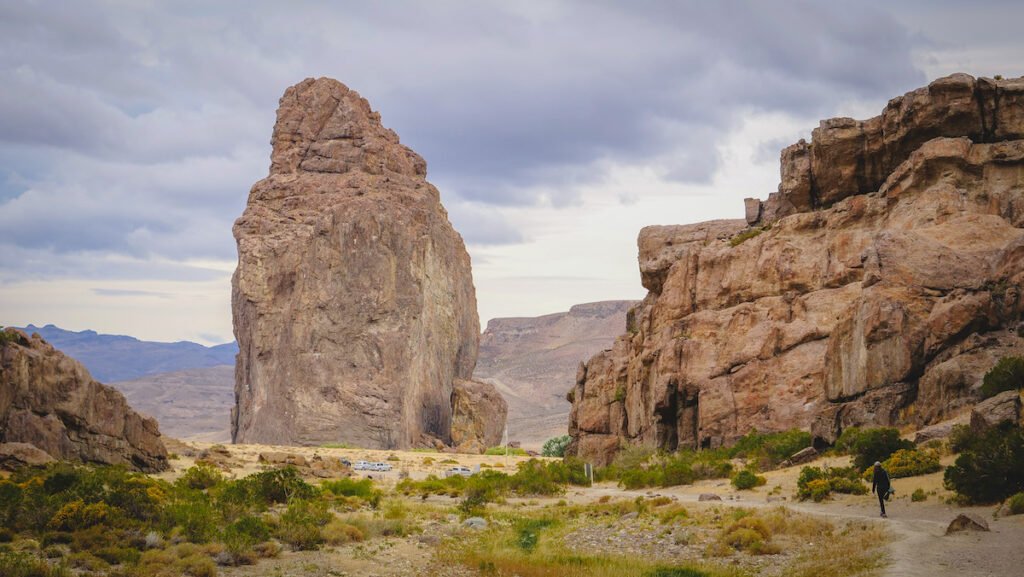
(1006, 375)
(528, 532)
(362, 488)
(675, 572)
(870, 445)
(960, 438)
(278, 486)
(243, 535)
(201, 476)
(991, 468)
(14, 564)
(745, 236)
(747, 479)
(910, 463)
(818, 483)
(195, 516)
(301, 522)
(503, 450)
(1016, 504)
(555, 446)
(768, 450)
(918, 495)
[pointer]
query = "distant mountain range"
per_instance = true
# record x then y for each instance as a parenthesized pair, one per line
(112, 358)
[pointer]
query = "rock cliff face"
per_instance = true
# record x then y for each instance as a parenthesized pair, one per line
(48, 400)
(478, 419)
(353, 301)
(532, 361)
(876, 287)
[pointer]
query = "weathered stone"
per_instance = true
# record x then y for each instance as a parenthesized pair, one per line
(880, 295)
(1004, 407)
(753, 210)
(478, 416)
(50, 401)
(15, 455)
(939, 430)
(475, 523)
(802, 456)
(353, 300)
(967, 522)
(708, 497)
(279, 458)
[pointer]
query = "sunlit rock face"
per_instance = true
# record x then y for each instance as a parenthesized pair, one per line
(876, 287)
(50, 401)
(353, 301)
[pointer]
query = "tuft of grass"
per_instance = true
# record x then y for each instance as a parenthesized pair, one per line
(745, 236)
(918, 495)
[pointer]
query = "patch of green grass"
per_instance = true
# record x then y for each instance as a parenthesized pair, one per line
(1006, 375)
(745, 236)
(502, 450)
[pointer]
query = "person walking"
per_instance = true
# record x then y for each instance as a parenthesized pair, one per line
(880, 484)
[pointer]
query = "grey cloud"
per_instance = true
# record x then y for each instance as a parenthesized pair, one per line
(136, 129)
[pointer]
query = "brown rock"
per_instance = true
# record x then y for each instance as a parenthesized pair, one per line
(353, 301)
(478, 420)
(967, 522)
(708, 497)
(884, 289)
(939, 430)
(50, 401)
(802, 456)
(999, 409)
(15, 455)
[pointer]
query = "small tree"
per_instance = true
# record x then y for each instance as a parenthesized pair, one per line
(555, 446)
(991, 468)
(1007, 375)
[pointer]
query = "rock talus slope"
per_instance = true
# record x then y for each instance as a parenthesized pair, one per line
(353, 300)
(49, 401)
(876, 287)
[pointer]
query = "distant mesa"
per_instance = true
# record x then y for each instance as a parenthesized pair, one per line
(50, 402)
(875, 287)
(353, 300)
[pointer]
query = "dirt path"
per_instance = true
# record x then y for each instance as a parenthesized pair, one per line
(919, 547)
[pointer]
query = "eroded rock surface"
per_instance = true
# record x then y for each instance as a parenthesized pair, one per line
(49, 401)
(353, 301)
(875, 288)
(479, 414)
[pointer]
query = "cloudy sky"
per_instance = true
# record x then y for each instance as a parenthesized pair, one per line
(131, 132)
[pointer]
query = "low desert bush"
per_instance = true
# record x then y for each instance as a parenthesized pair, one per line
(909, 463)
(15, 564)
(870, 445)
(555, 446)
(1016, 504)
(201, 476)
(818, 483)
(503, 450)
(747, 479)
(338, 532)
(990, 467)
(918, 495)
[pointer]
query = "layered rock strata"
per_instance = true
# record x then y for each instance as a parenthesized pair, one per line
(876, 287)
(353, 300)
(49, 401)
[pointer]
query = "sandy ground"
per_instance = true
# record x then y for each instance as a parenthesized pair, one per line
(919, 545)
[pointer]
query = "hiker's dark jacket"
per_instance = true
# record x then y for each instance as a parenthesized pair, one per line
(880, 481)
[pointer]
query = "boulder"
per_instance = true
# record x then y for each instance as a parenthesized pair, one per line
(876, 287)
(939, 430)
(708, 497)
(475, 523)
(967, 522)
(478, 416)
(991, 412)
(49, 400)
(353, 300)
(802, 456)
(15, 455)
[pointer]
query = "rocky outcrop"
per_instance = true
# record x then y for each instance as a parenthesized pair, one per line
(48, 400)
(532, 361)
(353, 300)
(478, 419)
(875, 288)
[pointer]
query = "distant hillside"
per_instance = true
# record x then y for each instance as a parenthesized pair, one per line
(533, 361)
(192, 403)
(112, 358)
